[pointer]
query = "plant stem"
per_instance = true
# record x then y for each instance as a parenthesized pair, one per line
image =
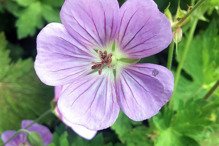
(28, 126)
(178, 24)
(176, 48)
(170, 56)
(212, 90)
(186, 49)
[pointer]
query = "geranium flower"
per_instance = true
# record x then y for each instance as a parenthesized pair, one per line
(80, 130)
(93, 55)
(21, 138)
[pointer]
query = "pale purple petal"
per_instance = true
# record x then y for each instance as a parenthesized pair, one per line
(58, 90)
(80, 130)
(19, 139)
(43, 131)
(93, 22)
(143, 30)
(60, 59)
(90, 102)
(143, 89)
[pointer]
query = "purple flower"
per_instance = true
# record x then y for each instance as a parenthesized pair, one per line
(80, 130)
(21, 138)
(93, 56)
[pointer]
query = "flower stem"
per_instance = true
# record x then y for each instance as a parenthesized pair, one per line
(28, 126)
(186, 50)
(178, 24)
(170, 56)
(212, 90)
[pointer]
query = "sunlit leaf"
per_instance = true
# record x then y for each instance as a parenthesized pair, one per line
(126, 130)
(25, 2)
(201, 64)
(50, 14)
(32, 14)
(212, 140)
(29, 20)
(22, 95)
(172, 138)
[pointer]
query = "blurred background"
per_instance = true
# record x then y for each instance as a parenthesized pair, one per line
(191, 118)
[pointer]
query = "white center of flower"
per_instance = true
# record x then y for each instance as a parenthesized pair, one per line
(111, 57)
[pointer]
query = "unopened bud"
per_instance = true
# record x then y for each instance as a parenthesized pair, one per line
(34, 139)
(177, 35)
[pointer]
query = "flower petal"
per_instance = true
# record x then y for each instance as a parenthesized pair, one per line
(143, 89)
(19, 139)
(93, 22)
(43, 131)
(143, 30)
(90, 102)
(80, 130)
(58, 90)
(60, 59)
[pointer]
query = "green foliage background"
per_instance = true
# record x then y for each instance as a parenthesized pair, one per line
(189, 119)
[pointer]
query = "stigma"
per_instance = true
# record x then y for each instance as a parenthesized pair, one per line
(105, 61)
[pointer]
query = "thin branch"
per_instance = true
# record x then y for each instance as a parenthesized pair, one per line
(212, 90)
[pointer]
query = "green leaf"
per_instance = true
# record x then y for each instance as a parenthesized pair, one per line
(3, 42)
(25, 3)
(193, 123)
(207, 7)
(63, 139)
(162, 121)
(50, 14)
(32, 16)
(193, 120)
(1, 142)
(211, 140)
(122, 126)
(29, 20)
(13, 8)
(172, 138)
(126, 130)
(60, 139)
(56, 3)
(201, 64)
(34, 139)
(4, 58)
(22, 96)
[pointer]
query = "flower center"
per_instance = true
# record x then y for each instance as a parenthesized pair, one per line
(105, 60)
(111, 57)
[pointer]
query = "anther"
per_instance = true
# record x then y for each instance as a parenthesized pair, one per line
(106, 60)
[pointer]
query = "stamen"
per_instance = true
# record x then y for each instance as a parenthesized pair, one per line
(106, 60)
